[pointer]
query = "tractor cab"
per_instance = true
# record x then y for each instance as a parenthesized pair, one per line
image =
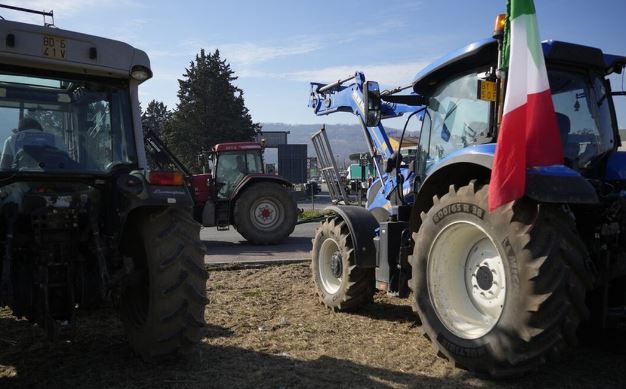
(463, 108)
(232, 162)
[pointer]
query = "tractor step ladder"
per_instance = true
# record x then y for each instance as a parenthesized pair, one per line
(328, 166)
(222, 215)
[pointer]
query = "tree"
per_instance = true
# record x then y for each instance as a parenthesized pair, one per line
(155, 117)
(211, 110)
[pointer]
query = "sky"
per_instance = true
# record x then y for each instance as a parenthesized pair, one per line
(276, 47)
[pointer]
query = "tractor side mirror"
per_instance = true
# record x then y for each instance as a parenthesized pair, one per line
(371, 103)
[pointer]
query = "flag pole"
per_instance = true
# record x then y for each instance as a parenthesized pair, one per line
(501, 74)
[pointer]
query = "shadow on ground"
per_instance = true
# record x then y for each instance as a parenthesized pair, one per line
(243, 247)
(388, 312)
(101, 358)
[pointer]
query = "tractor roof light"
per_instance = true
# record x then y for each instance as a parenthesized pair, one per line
(140, 73)
(498, 28)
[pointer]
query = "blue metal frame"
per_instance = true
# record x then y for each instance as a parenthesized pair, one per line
(330, 98)
(349, 98)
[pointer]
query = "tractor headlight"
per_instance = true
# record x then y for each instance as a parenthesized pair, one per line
(140, 73)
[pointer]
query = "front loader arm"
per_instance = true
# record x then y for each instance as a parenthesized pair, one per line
(337, 97)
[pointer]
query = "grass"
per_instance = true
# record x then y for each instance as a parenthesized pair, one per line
(309, 214)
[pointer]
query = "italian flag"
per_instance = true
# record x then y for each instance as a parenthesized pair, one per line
(529, 132)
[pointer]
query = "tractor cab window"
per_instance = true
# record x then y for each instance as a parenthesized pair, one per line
(456, 118)
(254, 162)
(583, 115)
(230, 169)
(232, 166)
(63, 125)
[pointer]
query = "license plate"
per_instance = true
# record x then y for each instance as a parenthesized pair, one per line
(487, 90)
(54, 47)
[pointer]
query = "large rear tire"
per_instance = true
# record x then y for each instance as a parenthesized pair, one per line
(498, 293)
(265, 213)
(162, 307)
(340, 284)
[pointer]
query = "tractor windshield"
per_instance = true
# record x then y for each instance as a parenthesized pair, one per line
(64, 125)
(456, 118)
(232, 166)
(582, 110)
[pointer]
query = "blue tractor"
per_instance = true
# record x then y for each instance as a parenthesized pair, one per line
(500, 292)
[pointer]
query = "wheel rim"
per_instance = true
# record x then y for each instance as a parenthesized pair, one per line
(266, 214)
(466, 280)
(330, 265)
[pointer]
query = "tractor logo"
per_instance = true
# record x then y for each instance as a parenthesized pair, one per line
(358, 101)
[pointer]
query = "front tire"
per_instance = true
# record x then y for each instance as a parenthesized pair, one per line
(339, 283)
(498, 293)
(162, 305)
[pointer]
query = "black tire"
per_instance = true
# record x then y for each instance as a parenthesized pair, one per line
(267, 197)
(162, 307)
(355, 286)
(545, 281)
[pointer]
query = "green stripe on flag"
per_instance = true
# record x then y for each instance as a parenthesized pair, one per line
(521, 7)
(515, 8)
(506, 41)
(532, 36)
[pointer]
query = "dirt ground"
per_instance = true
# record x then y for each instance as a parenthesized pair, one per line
(267, 330)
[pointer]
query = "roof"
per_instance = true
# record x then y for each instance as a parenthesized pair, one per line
(51, 48)
(237, 146)
(484, 53)
(471, 56)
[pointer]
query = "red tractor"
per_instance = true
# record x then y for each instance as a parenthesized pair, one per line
(236, 191)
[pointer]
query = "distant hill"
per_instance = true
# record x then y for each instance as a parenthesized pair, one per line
(345, 139)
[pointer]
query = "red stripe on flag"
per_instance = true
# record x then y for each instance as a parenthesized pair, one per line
(543, 140)
(529, 136)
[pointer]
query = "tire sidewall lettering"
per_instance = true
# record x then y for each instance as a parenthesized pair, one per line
(462, 351)
(455, 208)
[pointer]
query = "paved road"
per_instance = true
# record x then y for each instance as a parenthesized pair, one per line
(230, 247)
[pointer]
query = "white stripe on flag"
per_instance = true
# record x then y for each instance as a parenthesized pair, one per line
(524, 76)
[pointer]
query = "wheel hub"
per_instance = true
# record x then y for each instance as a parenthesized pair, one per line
(335, 265)
(484, 278)
(265, 213)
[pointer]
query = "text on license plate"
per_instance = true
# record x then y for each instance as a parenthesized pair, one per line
(54, 47)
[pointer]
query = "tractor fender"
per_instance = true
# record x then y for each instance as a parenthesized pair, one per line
(253, 178)
(458, 169)
(559, 184)
(550, 184)
(362, 226)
